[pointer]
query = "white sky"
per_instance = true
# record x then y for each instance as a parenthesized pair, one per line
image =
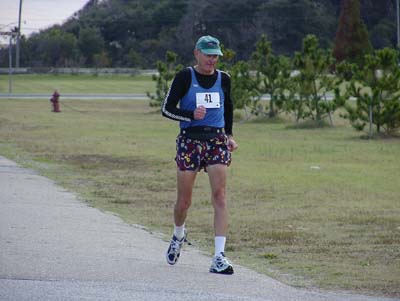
(36, 14)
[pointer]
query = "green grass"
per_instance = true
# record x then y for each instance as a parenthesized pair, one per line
(312, 207)
(107, 84)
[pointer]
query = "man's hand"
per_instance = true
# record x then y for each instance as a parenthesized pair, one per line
(232, 145)
(199, 113)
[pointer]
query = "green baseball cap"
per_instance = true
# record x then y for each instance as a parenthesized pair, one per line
(209, 45)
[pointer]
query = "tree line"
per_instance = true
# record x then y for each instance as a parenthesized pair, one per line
(367, 89)
(137, 33)
(314, 82)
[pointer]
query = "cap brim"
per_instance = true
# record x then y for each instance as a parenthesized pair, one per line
(212, 51)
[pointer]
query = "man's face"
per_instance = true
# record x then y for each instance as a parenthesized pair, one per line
(205, 62)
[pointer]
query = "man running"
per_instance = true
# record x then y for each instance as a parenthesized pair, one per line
(199, 97)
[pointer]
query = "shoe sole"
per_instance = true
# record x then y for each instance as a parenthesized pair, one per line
(172, 262)
(227, 271)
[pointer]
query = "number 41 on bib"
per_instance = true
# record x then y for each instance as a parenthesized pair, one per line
(208, 100)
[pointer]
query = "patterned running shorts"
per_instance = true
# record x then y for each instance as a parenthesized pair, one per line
(194, 154)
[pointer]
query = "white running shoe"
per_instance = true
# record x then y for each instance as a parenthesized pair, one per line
(174, 249)
(221, 265)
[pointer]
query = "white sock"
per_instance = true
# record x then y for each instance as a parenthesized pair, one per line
(219, 244)
(179, 231)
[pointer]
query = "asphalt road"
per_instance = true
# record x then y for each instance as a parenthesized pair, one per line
(53, 246)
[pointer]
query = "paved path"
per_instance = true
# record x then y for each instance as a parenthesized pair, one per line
(55, 247)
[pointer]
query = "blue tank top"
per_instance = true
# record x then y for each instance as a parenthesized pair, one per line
(212, 99)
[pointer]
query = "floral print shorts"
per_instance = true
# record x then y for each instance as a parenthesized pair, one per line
(192, 154)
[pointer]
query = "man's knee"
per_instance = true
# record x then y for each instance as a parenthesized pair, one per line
(182, 204)
(219, 199)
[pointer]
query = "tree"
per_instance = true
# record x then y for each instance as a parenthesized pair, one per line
(272, 73)
(101, 60)
(90, 43)
(134, 59)
(243, 90)
(376, 86)
(225, 62)
(351, 42)
(151, 27)
(286, 22)
(382, 34)
(166, 72)
(312, 81)
(54, 48)
(243, 86)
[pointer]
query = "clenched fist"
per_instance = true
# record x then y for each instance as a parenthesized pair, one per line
(199, 113)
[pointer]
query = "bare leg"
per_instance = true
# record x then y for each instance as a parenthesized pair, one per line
(217, 175)
(185, 182)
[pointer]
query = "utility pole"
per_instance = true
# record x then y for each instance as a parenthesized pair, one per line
(10, 70)
(18, 36)
(398, 23)
(10, 66)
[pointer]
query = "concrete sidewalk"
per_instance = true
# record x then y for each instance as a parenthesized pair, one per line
(55, 247)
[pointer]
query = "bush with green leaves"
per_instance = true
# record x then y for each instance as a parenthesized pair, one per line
(376, 87)
(243, 90)
(272, 74)
(166, 72)
(310, 83)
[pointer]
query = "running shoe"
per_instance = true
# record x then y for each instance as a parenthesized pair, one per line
(174, 249)
(221, 265)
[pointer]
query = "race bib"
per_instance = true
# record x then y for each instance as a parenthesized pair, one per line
(208, 100)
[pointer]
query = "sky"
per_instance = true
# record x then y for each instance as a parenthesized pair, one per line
(36, 14)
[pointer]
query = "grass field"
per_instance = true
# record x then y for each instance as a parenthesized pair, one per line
(311, 207)
(106, 84)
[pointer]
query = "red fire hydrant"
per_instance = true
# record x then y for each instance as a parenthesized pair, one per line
(55, 102)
